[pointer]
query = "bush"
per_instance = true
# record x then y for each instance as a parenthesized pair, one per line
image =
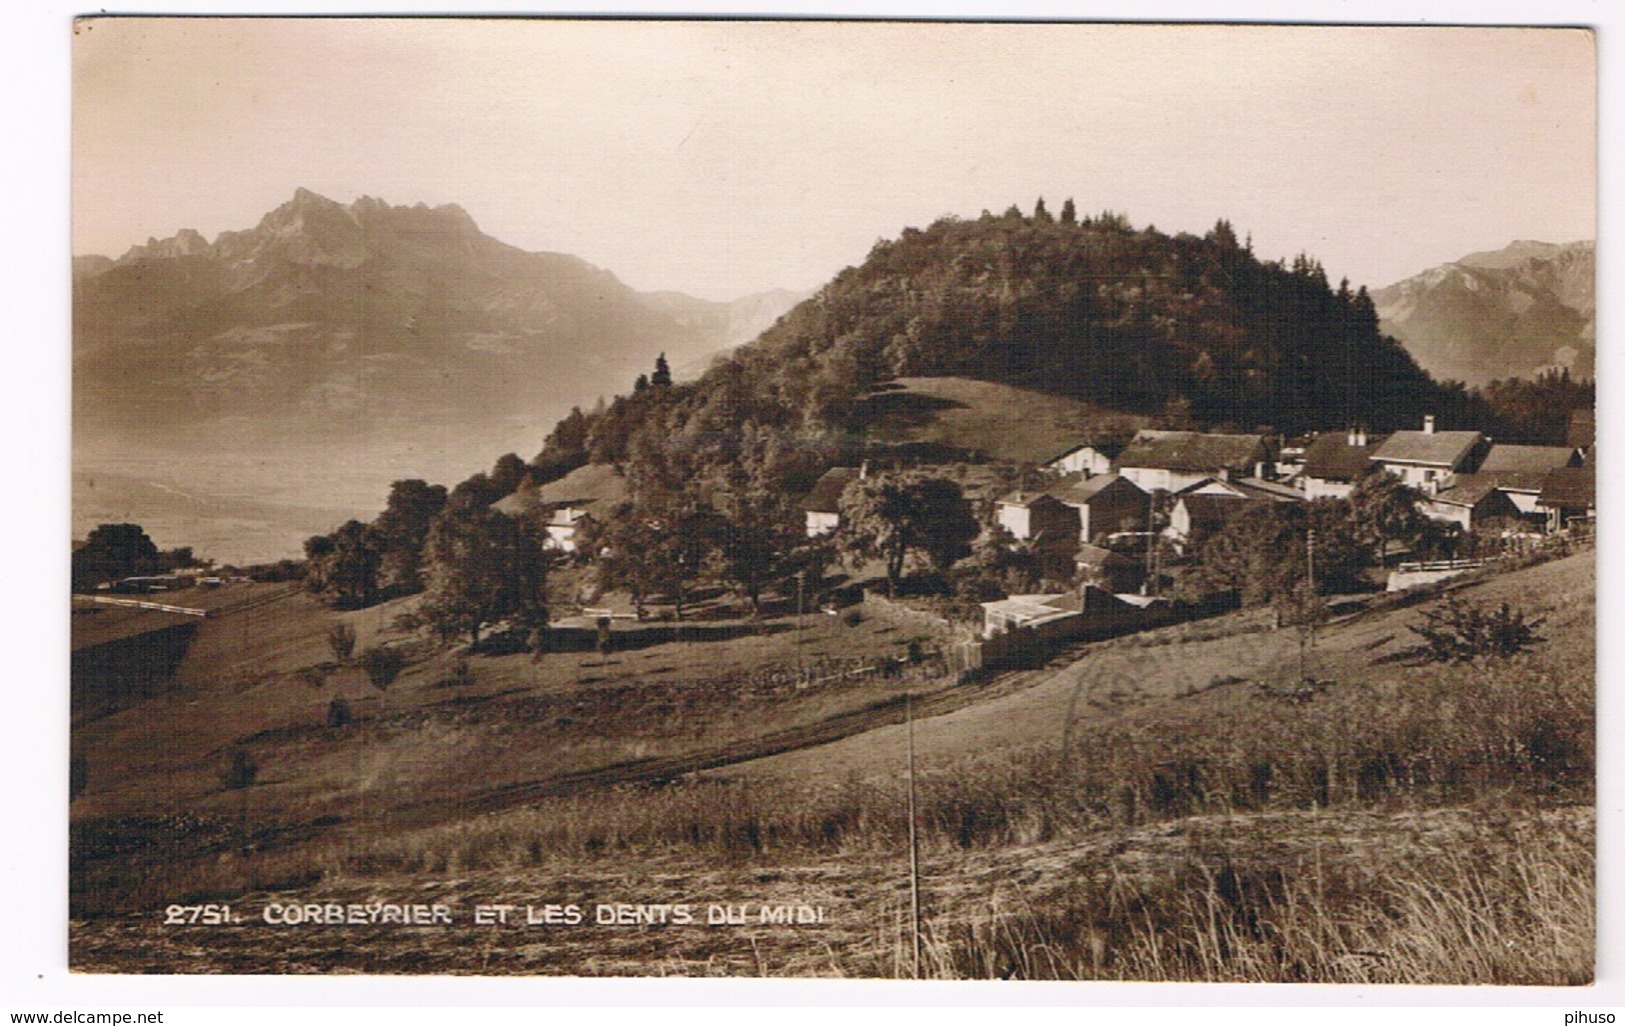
(1459, 632)
(852, 617)
(241, 771)
(382, 665)
(341, 639)
(339, 714)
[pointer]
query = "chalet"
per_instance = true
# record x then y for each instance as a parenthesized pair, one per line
(1334, 461)
(1202, 508)
(1171, 460)
(1029, 515)
(1471, 500)
(823, 503)
(1569, 495)
(1088, 459)
(561, 527)
(1104, 503)
(1429, 460)
(568, 503)
(1520, 471)
(1199, 514)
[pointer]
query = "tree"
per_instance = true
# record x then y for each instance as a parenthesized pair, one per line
(1383, 509)
(758, 537)
(622, 544)
(400, 532)
(344, 565)
(1261, 554)
(1069, 212)
(508, 474)
(885, 516)
(114, 551)
(482, 566)
(1041, 213)
(661, 378)
(382, 666)
(341, 639)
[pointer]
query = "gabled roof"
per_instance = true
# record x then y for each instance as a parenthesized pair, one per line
(1528, 458)
(1026, 497)
(1440, 448)
(1331, 458)
(1468, 490)
(596, 482)
(1078, 491)
(826, 494)
(1106, 449)
(1570, 488)
(1258, 488)
(1191, 450)
(1213, 510)
(1097, 555)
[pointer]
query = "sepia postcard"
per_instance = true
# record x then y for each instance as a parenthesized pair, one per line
(830, 498)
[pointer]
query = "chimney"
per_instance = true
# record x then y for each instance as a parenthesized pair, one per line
(1357, 437)
(1224, 473)
(863, 471)
(1427, 424)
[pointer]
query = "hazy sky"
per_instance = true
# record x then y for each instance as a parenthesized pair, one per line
(723, 158)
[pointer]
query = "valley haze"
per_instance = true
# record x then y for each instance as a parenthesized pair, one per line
(931, 500)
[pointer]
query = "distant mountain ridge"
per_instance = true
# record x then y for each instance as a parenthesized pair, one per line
(367, 312)
(1514, 312)
(351, 345)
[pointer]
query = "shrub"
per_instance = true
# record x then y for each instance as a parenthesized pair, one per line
(382, 665)
(339, 714)
(341, 639)
(241, 770)
(852, 617)
(1459, 632)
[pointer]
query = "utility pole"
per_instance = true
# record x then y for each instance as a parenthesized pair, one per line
(913, 835)
(1306, 637)
(801, 583)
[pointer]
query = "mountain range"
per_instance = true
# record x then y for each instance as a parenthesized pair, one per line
(1512, 312)
(332, 348)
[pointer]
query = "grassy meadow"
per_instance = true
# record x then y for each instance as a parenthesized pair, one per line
(1164, 806)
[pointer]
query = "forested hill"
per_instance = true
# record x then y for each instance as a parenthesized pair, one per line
(1130, 319)
(1190, 329)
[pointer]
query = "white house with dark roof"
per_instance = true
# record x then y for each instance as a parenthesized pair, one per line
(823, 503)
(1520, 470)
(1172, 460)
(1030, 514)
(1086, 458)
(1335, 460)
(1470, 501)
(1430, 459)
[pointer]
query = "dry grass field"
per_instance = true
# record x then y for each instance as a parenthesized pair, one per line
(1161, 806)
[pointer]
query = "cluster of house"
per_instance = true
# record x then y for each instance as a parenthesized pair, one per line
(1098, 494)
(1462, 476)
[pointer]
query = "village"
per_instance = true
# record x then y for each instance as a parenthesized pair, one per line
(1108, 527)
